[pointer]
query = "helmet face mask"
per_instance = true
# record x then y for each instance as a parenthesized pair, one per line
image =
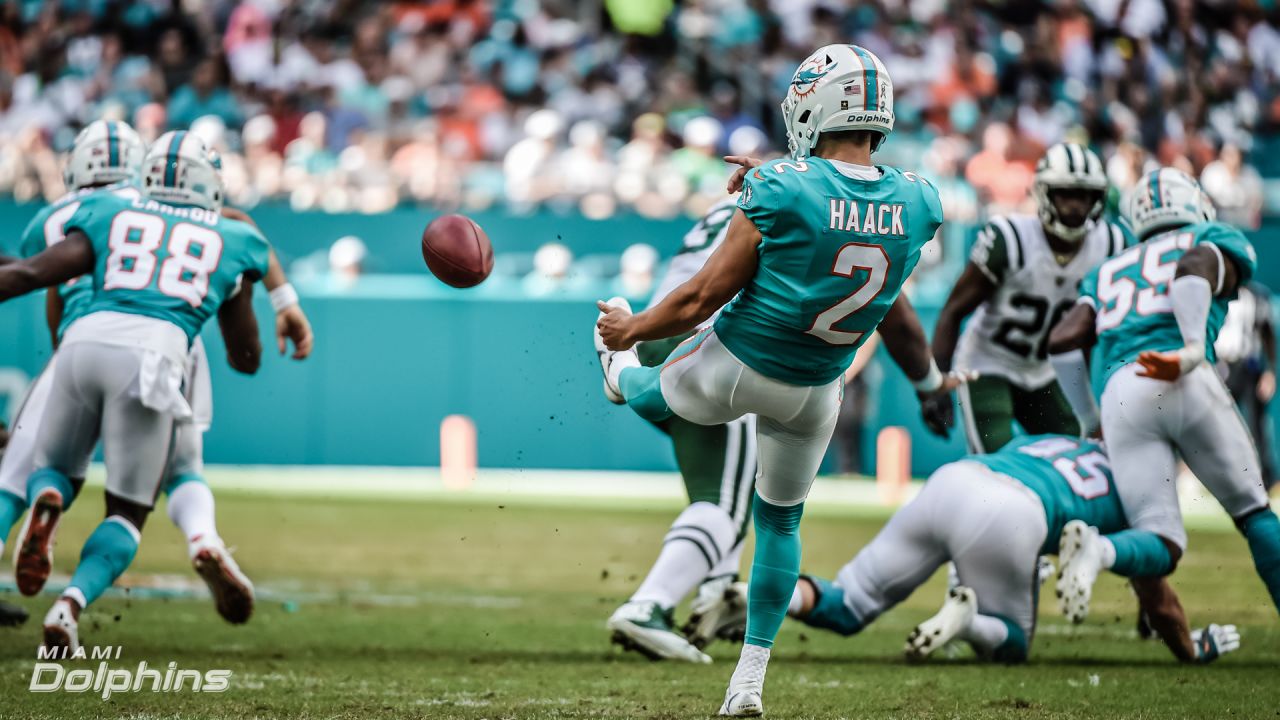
(1166, 199)
(179, 169)
(1069, 168)
(838, 87)
(105, 152)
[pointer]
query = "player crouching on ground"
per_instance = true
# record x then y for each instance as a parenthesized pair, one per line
(993, 516)
(1154, 313)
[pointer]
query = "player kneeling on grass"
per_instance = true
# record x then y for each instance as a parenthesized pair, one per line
(703, 548)
(121, 364)
(1154, 313)
(993, 516)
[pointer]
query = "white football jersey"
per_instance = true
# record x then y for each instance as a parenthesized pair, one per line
(1008, 336)
(699, 243)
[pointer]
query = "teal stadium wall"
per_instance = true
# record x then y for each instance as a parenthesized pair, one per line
(399, 352)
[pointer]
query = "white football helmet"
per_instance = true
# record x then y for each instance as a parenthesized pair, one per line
(178, 169)
(839, 87)
(1164, 199)
(105, 152)
(1068, 166)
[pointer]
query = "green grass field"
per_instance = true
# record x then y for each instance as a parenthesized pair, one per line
(490, 608)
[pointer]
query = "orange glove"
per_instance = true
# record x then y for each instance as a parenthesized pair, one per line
(1165, 366)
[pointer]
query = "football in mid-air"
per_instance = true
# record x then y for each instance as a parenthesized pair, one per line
(457, 251)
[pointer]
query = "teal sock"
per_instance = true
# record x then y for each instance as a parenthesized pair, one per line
(1262, 530)
(106, 555)
(830, 611)
(642, 387)
(774, 570)
(1140, 553)
(50, 478)
(11, 507)
(1015, 648)
(177, 480)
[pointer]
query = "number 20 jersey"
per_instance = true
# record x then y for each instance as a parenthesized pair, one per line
(1130, 294)
(1007, 336)
(834, 255)
(175, 263)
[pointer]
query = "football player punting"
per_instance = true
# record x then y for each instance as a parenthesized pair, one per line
(1154, 312)
(814, 261)
(162, 264)
(703, 548)
(992, 515)
(1022, 276)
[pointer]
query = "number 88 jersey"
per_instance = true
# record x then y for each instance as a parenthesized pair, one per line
(1008, 335)
(176, 263)
(1130, 293)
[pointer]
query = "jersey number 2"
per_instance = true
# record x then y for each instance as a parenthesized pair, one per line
(134, 240)
(852, 258)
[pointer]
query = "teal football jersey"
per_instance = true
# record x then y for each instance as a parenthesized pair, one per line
(834, 255)
(45, 231)
(1072, 478)
(176, 263)
(1130, 294)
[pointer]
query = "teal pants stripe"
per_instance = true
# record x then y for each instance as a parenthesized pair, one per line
(106, 555)
(1140, 553)
(774, 570)
(1262, 530)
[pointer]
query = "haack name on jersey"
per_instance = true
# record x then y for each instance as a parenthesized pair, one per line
(867, 218)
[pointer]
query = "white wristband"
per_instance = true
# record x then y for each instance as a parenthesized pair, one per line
(929, 383)
(283, 298)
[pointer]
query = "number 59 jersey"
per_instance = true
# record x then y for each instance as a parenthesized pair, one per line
(1008, 335)
(176, 263)
(1130, 293)
(837, 246)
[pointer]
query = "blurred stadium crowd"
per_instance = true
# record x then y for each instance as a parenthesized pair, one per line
(347, 105)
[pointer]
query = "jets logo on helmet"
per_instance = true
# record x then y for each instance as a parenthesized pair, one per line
(1068, 166)
(1165, 199)
(839, 87)
(178, 168)
(105, 152)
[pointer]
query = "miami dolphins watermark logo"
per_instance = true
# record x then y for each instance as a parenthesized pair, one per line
(807, 77)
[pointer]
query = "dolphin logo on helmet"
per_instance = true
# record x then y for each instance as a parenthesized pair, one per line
(838, 87)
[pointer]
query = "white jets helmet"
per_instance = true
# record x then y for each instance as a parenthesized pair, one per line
(105, 152)
(1068, 166)
(1164, 199)
(839, 87)
(178, 169)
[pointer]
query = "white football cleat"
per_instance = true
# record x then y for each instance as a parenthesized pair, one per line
(606, 356)
(742, 702)
(645, 628)
(61, 630)
(1080, 554)
(231, 589)
(955, 617)
(33, 553)
(718, 612)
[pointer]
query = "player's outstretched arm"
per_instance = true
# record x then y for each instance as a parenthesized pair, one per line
(1169, 620)
(1203, 274)
(904, 338)
(291, 321)
(68, 259)
(727, 271)
(1069, 342)
(239, 328)
(971, 290)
